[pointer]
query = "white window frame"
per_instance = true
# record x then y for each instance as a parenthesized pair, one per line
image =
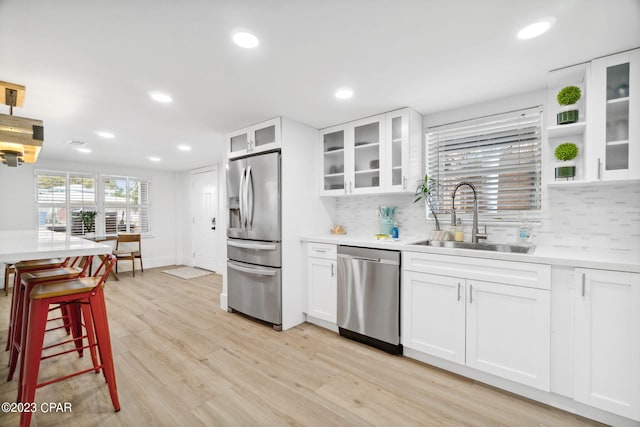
(127, 208)
(99, 203)
(462, 151)
(68, 204)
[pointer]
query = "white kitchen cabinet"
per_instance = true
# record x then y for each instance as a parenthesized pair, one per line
(608, 130)
(499, 325)
(260, 137)
(403, 151)
(508, 332)
(433, 315)
(614, 128)
(377, 154)
(607, 341)
(322, 282)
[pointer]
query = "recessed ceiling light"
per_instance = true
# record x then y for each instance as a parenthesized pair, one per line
(153, 158)
(75, 144)
(245, 40)
(344, 93)
(184, 147)
(84, 150)
(105, 134)
(536, 29)
(160, 97)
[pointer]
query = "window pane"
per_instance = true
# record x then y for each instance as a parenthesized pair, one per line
(52, 219)
(52, 189)
(115, 191)
(115, 220)
(139, 220)
(82, 190)
(138, 192)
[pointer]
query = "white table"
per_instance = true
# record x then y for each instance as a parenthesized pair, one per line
(22, 245)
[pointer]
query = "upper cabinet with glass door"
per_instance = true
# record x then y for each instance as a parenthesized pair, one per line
(403, 150)
(260, 137)
(377, 154)
(613, 132)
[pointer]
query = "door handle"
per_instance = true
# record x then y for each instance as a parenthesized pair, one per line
(458, 291)
(250, 212)
(332, 270)
(213, 223)
(470, 294)
(241, 198)
(256, 246)
(584, 284)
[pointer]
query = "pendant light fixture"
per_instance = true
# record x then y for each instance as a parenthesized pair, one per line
(20, 138)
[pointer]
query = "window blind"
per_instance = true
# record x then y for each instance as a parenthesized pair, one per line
(500, 155)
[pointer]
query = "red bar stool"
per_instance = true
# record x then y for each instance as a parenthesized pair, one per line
(89, 293)
(20, 268)
(71, 319)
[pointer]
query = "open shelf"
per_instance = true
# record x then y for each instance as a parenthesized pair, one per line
(561, 131)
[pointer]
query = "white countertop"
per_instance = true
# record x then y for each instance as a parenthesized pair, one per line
(19, 245)
(620, 261)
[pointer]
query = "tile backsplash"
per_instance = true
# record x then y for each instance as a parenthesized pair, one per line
(604, 217)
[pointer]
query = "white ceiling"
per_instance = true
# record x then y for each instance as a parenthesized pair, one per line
(88, 65)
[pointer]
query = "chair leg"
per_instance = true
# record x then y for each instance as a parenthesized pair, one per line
(18, 329)
(100, 322)
(35, 332)
(133, 265)
(141, 267)
(75, 316)
(91, 335)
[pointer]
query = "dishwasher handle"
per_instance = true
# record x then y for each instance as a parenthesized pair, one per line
(367, 259)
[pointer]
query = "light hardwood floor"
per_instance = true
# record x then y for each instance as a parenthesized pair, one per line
(182, 361)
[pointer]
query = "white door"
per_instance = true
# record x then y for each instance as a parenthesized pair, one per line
(607, 341)
(433, 315)
(508, 332)
(206, 221)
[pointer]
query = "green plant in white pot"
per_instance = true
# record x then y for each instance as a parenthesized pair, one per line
(566, 152)
(567, 98)
(88, 221)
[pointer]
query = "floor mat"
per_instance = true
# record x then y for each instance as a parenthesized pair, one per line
(188, 272)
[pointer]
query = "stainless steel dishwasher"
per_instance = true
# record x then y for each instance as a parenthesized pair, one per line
(369, 296)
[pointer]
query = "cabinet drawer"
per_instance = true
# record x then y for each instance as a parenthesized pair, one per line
(508, 272)
(322, 250)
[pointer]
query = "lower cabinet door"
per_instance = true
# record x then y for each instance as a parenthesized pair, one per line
(433, 315)
(322, 289)
(607, 341)
(508, 332)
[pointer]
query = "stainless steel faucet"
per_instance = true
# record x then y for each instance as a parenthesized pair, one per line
(475, 234)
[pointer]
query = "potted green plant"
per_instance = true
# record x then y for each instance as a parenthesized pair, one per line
(424, 192)
(565, 152)
(567, 98)
(88, 220)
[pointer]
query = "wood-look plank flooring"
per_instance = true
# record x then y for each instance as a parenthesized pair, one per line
(182, 361)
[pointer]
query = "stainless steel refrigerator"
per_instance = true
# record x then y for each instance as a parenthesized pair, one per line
(254, 261)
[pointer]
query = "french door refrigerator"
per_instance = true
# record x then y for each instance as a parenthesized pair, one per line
(254, 237)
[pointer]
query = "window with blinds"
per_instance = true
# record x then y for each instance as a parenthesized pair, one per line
(126, 204)
(62, 198)
(500, 155)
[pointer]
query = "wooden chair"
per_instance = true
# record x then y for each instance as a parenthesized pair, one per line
(9, 269)
(125, 251)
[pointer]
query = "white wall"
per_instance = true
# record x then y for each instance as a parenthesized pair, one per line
(17, 209)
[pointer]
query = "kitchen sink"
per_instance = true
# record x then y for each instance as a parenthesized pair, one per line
(495, 247)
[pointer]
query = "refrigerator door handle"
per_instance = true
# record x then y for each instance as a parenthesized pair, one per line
(256, 271)
(241, 198)
(257, 246)
(250, 197)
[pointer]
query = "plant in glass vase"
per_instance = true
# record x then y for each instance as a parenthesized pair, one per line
(567, 98)
(424, 191)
